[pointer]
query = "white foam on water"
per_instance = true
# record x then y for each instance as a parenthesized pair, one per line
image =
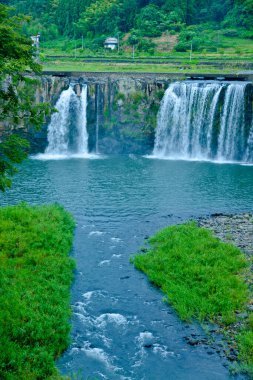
(104, 262)
(246, 164)
(116, 240)
(97, 354)
(96, 233)
(107, 341)
(116, 256)
(56, 157)
(146, 339)
(81, 317)
(74, 350)
(100, 355)
(138, 363)
(163, 351)
(187, 159)
(90, 156)
(101, 375)
(79, 307)
(88, 295)
(113, 318)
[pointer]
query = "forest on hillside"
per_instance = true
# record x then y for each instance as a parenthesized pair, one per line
(140, 20)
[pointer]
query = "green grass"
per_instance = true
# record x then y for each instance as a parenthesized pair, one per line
(35, 278)
(78, 66)
(225, 55)
(202, 278)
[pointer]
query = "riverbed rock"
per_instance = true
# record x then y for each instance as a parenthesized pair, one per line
(146, 339)
(236, 229)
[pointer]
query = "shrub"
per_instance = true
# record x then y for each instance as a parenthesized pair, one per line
(231, 33)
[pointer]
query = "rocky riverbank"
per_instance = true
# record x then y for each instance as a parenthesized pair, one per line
(238, 230)
(235, 229)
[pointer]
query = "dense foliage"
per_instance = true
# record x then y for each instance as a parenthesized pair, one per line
(150, 17)
(16, 92)
(35, 277)
(203, 278)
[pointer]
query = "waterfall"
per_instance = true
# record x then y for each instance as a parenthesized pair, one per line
(58, 127)
(231, 138)
(249, 151)
(82, 124)
(67, 133)
(204, 121)
(97, 116)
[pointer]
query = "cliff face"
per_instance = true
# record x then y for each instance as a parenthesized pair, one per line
(121, 109)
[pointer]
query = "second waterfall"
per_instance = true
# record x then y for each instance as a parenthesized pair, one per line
(205, 120)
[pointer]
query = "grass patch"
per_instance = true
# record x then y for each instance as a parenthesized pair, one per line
(79, 66)
(202, 278)
(35, 278)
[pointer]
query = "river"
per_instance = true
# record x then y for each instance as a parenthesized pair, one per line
(118, 202)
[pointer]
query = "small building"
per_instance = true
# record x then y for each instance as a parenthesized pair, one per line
(36, 45)
(35, 40)
(111, 43)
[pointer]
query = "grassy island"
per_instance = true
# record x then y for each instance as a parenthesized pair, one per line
(203, 279)
(35, 278)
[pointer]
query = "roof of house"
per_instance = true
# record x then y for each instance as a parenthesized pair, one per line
(111, 40)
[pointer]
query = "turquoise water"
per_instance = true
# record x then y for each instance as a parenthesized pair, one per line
(118, 202)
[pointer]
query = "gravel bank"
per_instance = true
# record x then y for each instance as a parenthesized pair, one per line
(236, 229)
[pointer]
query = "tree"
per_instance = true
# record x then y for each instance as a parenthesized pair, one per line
(245, 13)
(152, 21)
(16, 93)
(102, 16)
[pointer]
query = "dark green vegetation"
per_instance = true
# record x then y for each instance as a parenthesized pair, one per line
(16, 93)
(151, 18)
(202, 277)
(35, 277)
(152, 26)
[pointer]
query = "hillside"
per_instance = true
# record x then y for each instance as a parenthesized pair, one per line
(156, 27)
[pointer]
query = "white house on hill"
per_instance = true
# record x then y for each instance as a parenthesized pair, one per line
(111, 43)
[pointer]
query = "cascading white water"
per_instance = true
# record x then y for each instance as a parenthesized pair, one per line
(97, 117)
(231, 137)
(58, 128)
(67, 132)
(249, 151)
(82, 124)
(203, 120)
